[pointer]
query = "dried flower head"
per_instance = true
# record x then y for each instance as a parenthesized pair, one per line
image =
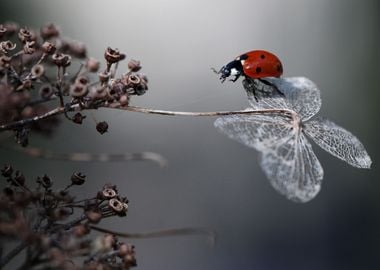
(92, 65)
(7, 46)
(61, 60)
(113, 55)
(49, 31)
(102, 127)
(48, 48)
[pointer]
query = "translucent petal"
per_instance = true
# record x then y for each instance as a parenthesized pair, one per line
(338, 142)
(256, 131)
(300, 95)
(293, 169)
(287, 157)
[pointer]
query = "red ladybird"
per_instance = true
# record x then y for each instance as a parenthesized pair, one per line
(254, 64)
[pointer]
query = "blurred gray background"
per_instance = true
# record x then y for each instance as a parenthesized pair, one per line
(212, 181)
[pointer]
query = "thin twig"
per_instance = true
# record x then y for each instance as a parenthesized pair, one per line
(7, 258)
(161, 233)
(76, 107)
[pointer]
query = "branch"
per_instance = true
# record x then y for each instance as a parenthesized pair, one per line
(162, 233)
(76, 107)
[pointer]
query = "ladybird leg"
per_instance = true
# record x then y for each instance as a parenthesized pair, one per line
(236, 78)
(271, 85)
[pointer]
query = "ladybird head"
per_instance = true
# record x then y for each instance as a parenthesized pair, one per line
(233, 68)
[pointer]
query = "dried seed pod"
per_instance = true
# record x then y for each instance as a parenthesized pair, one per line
(78, 118)
(61, 60)
(5, 61)
(7, 170)
(133, 79)
(45, 181)
(98, 93)
(92, 65)
(78, 178)
(113, 55)
(29, 47)
(46, 91)
(19, 178)
(134, 65)
(81, 80)
(102, 127)
(104, 76)
(76, 49)
(108, 193)
(116, 205)
(94, 216)
(49, 30)
(124, 100)
(80, 230)
(78, 90)
(11, 28)
(3, 30)
(37, 71)
(48, 48)
(6, 46)
(24, 35)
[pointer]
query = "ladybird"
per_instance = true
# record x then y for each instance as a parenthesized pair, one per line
(256, 64)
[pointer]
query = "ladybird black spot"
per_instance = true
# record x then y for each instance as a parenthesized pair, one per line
(258, 69)
(279, 68)
(262, 56)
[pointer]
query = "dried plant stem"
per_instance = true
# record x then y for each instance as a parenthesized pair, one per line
(214, 113)
(76, 107)
(161, 233)
(7, 258)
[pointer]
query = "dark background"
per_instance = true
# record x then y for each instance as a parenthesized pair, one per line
(212, 181)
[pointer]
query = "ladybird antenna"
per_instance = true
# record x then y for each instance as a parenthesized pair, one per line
(215, 71)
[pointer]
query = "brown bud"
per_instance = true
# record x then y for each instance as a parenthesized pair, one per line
(3, 30)
(7, 170)
(46, 91)
(102, 127)
(108, 193)
(6, 46)
(78, 90)
(45, 181)
(92, 65)
(27, 112)
(48, 48)
(78, 178)
(49, 31)
(78, 118)
(113, 55)
(116, 205)
(5, 61)
(19, 178)
(37, 71)
(134, 65)
(11, 28)
(61, 60)
(24, 35)
(129, 259)
(104, 76)
(94, 216)
(81, 80)
(124, 100)
(77, 49)
(29, 47)
(80, 230)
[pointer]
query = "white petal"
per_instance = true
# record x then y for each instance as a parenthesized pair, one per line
(287, 157)
(300, 95)
(338, 142)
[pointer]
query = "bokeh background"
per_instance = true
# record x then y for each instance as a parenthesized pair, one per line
(212, 181)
